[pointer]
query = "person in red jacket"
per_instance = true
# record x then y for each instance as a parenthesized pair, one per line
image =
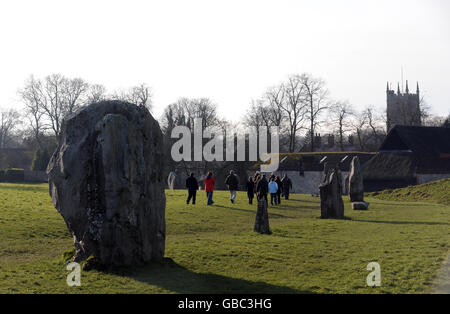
(209, 187)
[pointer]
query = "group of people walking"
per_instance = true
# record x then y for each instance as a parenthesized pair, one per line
(259, 185)
(256, 185)
(192, 187)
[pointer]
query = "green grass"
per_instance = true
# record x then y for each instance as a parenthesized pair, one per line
(434, 192)
(214, 250)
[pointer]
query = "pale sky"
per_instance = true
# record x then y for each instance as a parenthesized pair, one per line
(229, 51)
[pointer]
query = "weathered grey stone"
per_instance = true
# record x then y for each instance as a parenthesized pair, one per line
(106, 180)
(360, 205)
(356, 186)
(331, 203)
(346, 185)
(171, 180)
(262, 218)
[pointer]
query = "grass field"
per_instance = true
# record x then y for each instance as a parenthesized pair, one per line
(214, 250)
(434, 192)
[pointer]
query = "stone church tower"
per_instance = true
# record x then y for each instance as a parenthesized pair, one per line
(403, 108)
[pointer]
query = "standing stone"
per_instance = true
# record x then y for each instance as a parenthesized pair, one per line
(346, 185)
(171, 180)
(106, 180)
(262, 218)
(326, 170)
(356, 187)
(331, 203)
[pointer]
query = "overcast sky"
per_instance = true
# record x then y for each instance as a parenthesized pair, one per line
(229, 51)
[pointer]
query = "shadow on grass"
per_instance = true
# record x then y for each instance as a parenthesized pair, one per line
(401, 203)
(304, 201)
(173, 277)
(431, 223)
(253, 211)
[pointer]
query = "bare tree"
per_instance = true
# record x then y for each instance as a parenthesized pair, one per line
(9, 119)
(291, 98)
(183, 112)
(290, 105)
(63, 96)
(140, 95)
(49, 101)
(340, 114)
(202, 108)
(274, 112)
(33, 97)
(96, 93)
(255, 114)
(436, 121)
(53, 102)
(446, 123)
(174, 115)
(74, 95)
(315, 98)
(360, 126)
(262, 114)
(376, 121)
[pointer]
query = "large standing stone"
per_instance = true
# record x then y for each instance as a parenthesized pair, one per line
(106, 180)
(331, 203)
(356, 186)
(262, 218)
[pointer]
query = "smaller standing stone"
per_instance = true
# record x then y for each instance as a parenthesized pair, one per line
(262, 218)
(331, 203)
(356, 186)
(171, 180)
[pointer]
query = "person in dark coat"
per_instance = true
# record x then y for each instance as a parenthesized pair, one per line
(192, 187)
(250, 190)
(280, 189)
(287, 185)
(262, 188)
(272, 177)
(232, 182)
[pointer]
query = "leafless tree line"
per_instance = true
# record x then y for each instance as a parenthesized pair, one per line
(49, 100)
(300, 105)
(294, 105)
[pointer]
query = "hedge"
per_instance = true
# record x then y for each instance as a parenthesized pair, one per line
(14, 175)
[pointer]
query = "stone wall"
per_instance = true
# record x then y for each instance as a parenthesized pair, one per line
(307, 184)
(425, 178)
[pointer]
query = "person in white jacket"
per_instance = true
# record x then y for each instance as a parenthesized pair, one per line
(273, 189)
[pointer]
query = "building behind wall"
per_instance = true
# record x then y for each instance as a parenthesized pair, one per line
(409, 155)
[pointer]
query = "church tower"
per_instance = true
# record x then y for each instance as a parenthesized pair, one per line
(403, 108)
